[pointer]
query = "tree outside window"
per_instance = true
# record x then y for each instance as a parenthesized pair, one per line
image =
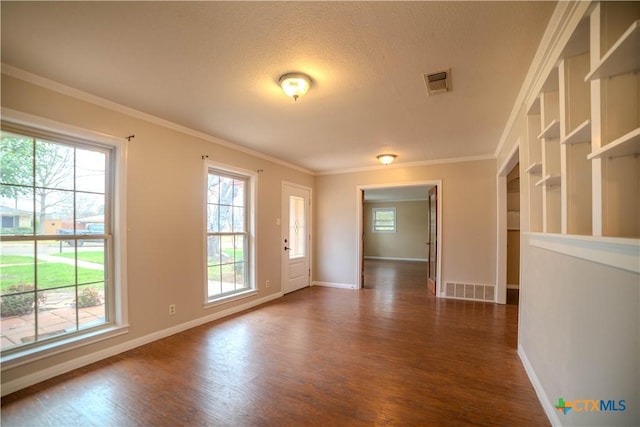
(53, 201)
(384, 220)
(227, 234)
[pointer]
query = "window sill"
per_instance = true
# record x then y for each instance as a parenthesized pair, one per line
(611, 251)
(229, 298)
(49, 349)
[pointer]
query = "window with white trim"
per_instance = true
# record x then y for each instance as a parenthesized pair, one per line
(384, 220)
(57, 232)
(229, 234)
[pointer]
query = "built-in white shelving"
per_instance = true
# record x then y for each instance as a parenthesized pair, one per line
(615, 150)
(534, 169)
(627, 145)
(622, 58)
(551, 131)
(549, 181)
(583, 130)
(579, 135)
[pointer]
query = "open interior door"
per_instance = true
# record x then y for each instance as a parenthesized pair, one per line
(432, 258)
(362, 241)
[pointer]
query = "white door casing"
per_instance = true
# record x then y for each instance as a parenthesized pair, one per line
(296, 237)
(501, 230)
(360, 224)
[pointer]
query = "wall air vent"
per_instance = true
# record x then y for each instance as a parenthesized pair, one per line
(438, 83)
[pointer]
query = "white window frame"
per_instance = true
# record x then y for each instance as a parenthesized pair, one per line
(23, 123)
(373, 220)
(251, 212)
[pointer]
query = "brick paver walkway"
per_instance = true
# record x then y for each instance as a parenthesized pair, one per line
(53, 319)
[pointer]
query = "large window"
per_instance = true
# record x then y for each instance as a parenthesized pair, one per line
(229, 234)
(384, 220)
(56, 249)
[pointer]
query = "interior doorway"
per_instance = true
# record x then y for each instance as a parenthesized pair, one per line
(513, 235)
(511, 162)
(401, 191)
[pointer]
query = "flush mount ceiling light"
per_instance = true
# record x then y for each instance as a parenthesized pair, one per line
(295, 85)
(386, 159)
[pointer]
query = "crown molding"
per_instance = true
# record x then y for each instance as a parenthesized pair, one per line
(410, 164)
(52, 85)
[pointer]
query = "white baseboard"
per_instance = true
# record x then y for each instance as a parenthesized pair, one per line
(548, 407)
(386, 258)
(334, 285)
(81, 361)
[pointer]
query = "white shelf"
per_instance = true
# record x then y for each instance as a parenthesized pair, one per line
(579, 135)
(534, 169)
(628, 144)
(549, 181)
(552, 131)
(622, 58)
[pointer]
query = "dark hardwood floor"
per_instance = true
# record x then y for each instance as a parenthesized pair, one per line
(390, 354)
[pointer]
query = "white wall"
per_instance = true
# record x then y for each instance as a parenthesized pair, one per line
(165, 218)
(468, 197)
(579, 330)
(409, 240)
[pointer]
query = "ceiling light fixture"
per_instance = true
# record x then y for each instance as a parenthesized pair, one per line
(295, 85)
(386, 159)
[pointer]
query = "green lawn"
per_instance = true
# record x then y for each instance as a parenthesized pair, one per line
(50, 275)
(15, 259)
(96, 257)
(229, 272)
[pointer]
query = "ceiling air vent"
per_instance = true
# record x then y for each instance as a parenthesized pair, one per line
(438, 83)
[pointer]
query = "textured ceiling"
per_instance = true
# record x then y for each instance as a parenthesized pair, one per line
(214, 66)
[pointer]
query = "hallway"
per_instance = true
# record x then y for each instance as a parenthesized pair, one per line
(390, 354)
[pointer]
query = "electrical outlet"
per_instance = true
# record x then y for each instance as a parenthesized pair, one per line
(268, 283)
(172, 309)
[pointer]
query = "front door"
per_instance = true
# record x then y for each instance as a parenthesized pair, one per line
(296, 237)
(432, 258)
